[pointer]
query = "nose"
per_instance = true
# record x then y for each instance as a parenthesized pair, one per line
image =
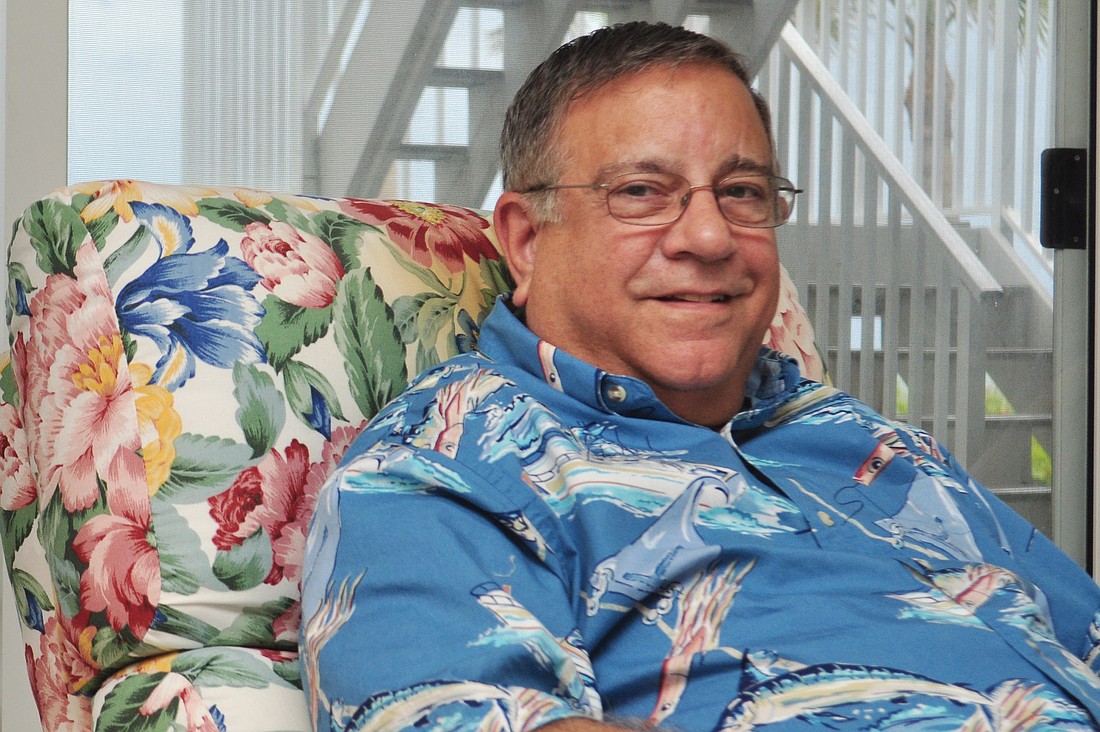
(701, 231)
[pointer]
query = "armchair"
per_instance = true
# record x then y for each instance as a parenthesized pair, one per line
(186, 365)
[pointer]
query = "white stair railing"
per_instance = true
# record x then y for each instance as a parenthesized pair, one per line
(958, 71)
(899, 300)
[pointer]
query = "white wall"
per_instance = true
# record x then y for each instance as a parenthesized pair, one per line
(35, 64)
(17, 712)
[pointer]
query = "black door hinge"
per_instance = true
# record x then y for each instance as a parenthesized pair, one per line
(1063, 199)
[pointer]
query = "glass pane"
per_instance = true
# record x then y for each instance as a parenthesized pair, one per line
(125, 79)
(914, 127)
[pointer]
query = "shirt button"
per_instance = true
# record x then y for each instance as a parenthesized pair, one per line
(616, 393)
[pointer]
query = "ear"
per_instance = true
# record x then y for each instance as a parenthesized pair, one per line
(517, 232)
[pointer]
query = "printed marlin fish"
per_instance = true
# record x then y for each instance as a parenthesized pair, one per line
(438, 705)
(397, 469)
(959, 592)
(670, 548)
(414, 705)
(572, 466)
(566, 658)
(1092, 658)
(814, 690)
(332, 613)
(444, 421)
(703, 606)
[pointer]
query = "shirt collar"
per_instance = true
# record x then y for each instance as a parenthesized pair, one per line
(773, 382)
(505, 338)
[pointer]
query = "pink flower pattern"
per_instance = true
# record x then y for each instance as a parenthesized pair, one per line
(790, 331)
(174, 686)
(17, 489)
(123, 575)
(79, 402)
(296, 267)
(61, 670)
(92, 438)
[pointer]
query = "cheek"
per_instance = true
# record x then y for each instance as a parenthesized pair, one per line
(765, 266)
(608, 268)
(765, 259)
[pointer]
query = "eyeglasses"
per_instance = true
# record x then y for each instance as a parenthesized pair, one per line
(656, 199)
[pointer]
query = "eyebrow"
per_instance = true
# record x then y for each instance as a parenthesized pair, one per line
(735, 164)
(738, 164)
(631, 166)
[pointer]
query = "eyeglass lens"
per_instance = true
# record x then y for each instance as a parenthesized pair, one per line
(660, 198)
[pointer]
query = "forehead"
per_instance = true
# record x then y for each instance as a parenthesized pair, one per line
(691, 118)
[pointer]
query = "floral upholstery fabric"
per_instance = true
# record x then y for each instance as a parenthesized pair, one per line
(187, 364)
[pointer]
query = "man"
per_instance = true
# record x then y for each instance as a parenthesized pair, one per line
(621, 509)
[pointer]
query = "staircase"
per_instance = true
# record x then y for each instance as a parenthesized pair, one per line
(923, 316)
(1018, 394)
(888, 275)
(402, 56)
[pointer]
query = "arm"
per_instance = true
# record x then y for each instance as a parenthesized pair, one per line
(1072, 596)
(419, 604)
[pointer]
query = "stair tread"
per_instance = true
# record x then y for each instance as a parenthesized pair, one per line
(991, 350)
(457, 76)
(1037, 418)
(1021, 490)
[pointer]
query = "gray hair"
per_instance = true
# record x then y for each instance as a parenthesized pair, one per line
(529, 152)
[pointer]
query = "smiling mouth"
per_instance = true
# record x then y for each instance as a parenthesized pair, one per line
(695, 298)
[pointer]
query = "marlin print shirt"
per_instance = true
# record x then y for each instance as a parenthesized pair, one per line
(522, 537)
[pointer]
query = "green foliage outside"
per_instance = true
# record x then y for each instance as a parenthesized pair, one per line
(996, 404)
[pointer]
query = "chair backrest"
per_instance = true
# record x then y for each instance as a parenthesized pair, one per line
(187, 365)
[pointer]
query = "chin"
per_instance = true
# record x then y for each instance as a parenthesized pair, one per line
(689, 380)
(708, 371)
(697, 368)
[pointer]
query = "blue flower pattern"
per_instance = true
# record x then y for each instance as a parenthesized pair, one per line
(193, 305)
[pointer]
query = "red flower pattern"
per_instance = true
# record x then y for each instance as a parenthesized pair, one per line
(427, 231)
(278, 496)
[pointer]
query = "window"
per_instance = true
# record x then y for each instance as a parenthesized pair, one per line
(915, 129)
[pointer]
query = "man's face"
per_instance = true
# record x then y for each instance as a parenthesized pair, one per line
(682, 306)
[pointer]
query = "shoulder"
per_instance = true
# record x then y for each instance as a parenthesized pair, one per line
(458, 414)
(447, 394)
(817, 405)
(459, 436)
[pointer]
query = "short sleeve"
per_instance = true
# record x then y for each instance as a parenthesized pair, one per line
(426, 601)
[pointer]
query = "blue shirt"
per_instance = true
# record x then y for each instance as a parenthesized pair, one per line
(522, 537)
